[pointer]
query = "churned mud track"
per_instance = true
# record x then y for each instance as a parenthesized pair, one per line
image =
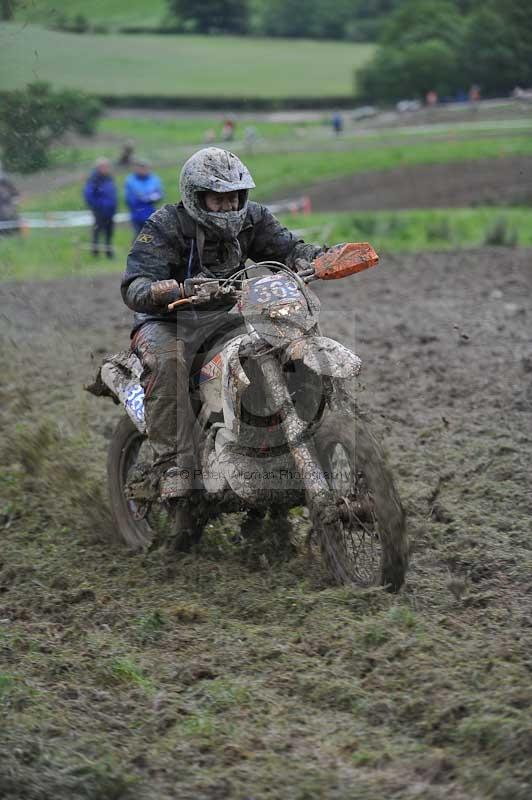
(149, 677)
(454, 185)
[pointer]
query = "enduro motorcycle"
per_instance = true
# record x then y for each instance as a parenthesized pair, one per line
(277, 427)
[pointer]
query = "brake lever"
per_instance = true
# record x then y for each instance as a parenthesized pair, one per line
(176, 303)
(203, 299)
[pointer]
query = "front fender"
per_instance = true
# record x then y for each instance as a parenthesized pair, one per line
(324, 356)
(234, 381)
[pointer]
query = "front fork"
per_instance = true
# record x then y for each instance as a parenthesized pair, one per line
(317, 490)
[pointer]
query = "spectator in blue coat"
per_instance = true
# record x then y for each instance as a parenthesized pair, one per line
(337, 123)
(101, 197)
(143, 190)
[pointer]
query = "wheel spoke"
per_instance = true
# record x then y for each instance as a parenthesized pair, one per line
(359, 541)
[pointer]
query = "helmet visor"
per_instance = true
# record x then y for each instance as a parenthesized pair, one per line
(242, 200)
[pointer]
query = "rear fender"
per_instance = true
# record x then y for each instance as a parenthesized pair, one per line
(119, 378)
(324, 356)
(127, 390)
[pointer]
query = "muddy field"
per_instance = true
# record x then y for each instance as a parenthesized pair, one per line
(208, 677)
(453, 185)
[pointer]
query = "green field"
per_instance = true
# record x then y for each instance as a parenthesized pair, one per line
(165, 131)
(112, 13)
(160, 138)
(184, 66)
(56, 253)
(420, 229)
(66, 253)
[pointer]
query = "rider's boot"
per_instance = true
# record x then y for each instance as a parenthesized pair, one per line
(266, 536)
(176, 481)
(175, 487)
(281, 532)
(187, 530)
(251, 527)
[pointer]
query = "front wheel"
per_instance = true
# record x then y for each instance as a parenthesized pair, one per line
(364, 541)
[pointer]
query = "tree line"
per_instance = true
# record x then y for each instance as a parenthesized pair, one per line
(444, 46)
(355, 20)
(31, 119)
(448, 45)
(440, 45)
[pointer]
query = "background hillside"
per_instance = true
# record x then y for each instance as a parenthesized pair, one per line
(352, 20)
(192, 66)
(111, 13)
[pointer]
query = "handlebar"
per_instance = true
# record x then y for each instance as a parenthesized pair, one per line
(204, 290)
(335, 262)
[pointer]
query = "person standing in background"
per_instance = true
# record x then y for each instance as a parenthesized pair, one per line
(228, 130)
(337, 123)
(125, 159)
(431, 98)
(474, 96)
(143, 189)
(101, 197)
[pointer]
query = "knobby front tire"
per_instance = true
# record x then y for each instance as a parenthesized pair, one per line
(366, 544)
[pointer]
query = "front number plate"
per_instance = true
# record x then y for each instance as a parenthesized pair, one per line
(271, 289)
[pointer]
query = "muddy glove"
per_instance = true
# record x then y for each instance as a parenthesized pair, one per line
(164, 292)
(304, 256)
(302, 265)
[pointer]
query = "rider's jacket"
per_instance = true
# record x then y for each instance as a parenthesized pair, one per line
(168, 247)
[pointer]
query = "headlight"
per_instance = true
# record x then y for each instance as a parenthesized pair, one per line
(286, 310)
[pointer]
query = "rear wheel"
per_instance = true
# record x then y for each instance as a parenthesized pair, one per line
(363, 540)
(137, 523)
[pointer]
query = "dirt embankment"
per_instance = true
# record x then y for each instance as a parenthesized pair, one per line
(153, 678)
(461, 184)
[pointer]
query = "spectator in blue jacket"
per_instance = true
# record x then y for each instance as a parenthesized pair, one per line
(143, 190)
(101, 197)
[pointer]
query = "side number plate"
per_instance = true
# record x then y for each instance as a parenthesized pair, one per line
(135, 402)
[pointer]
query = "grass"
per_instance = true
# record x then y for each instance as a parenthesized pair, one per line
(162, 138)
(286, 171)
(422, 229)
(149, 132)
(56, 253)
(280, 174)
(360, 688)
(111, 13)
(164, 130)
(187, 66)
(61, 253)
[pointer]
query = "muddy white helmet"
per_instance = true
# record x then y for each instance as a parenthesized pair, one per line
(215, 170)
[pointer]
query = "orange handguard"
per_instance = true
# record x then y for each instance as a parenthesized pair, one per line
(344, 259)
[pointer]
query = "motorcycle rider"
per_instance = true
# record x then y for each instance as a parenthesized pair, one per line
(213, 231)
